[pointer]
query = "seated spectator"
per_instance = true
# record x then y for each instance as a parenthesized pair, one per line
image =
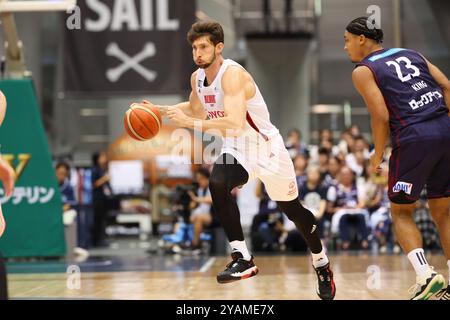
(324, 157)
(346, 143)
(66, 190)
(267, 224)
(201, 207)
(69, 203)
(354, 130)
(378, 205)
(360, 144)
(324, 147)
(101, 197)
(334, 167)
(325, 135)
(346, 204)
(294, 143)
(312, 193)
(359, 164)
(300, 165)
(425, 224)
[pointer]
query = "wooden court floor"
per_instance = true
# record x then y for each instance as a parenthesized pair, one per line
(280, 277)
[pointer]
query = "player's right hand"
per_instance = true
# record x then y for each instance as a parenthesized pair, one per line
(7, 177)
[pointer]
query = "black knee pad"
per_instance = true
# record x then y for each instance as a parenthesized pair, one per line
(225, 176)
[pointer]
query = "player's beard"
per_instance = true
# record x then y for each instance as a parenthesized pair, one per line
(206, 65)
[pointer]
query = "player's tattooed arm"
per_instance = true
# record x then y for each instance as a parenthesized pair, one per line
(366, 85)
(441, 80)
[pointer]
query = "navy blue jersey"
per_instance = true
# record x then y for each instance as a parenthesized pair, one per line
(410, 92)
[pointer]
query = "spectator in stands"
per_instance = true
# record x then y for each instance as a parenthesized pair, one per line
(359, 153)
(425, 224)
(324, 158)
(354, 130)
(201, 207)
(379, 207)
(359, 163)
(346, 203)
(70, 205)
(325, 135)
(334, 167)
(324, 145)
(312, 193)
(300, 165)
(346, 143)
(267, 224)
(101, 195)
(66, 190)
(294, 143)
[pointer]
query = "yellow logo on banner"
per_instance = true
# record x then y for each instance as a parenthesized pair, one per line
(23, 158)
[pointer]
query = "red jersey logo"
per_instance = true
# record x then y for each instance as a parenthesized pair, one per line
(216, 114)
(210, 98)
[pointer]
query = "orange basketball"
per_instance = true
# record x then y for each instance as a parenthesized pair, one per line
(142, 122)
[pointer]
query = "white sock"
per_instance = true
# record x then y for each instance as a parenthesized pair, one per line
(418, 260)
(242, 248)
(448, 263)
(319, 259)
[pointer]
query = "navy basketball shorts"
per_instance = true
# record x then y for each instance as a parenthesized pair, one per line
(418, 163)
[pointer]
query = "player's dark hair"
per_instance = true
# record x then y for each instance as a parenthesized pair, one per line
(211, 29)
(363, 25)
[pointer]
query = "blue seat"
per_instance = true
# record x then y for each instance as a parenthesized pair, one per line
(185, 233)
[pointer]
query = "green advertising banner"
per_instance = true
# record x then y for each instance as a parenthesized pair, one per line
(33, 214)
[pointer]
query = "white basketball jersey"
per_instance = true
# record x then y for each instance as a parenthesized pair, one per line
(259, 147)
(212, 98)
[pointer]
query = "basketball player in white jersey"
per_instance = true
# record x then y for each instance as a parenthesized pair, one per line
(7, 179)
(225, 98)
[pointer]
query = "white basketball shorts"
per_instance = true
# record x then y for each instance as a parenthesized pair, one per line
(267, 160)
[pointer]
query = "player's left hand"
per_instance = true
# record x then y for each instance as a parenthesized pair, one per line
(375, 162)
(177, 116)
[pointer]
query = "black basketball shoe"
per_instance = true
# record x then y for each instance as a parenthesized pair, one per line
(326, 288)
(237, 269)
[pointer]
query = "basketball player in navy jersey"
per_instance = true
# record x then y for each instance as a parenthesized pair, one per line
(7, 178)
(225, 98)
(407, 98)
